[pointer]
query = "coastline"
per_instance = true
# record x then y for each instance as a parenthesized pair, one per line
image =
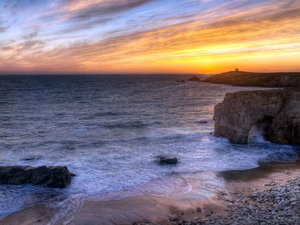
(208, 201)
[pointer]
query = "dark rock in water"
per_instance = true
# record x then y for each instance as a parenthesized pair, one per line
(53, 176)
(195, 79)
(202, 122)
(168, 160)
(275, 112)
(180, 81)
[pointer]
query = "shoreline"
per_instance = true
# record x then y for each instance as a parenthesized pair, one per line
(208, 200)
(272, 199)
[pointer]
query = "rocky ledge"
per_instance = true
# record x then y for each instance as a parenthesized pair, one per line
(53, 176)
(274, 113)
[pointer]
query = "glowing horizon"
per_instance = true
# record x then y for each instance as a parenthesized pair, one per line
(149, 36)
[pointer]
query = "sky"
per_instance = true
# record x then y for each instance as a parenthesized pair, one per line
(148, 36)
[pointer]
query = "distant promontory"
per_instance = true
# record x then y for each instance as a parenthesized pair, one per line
(241, 78)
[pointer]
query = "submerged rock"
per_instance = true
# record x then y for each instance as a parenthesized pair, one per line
(32, 158)
(53, 176)
(168, 160)
(276, 113)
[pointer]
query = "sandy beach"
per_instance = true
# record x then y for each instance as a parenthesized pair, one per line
(266, 195)
(212, 198)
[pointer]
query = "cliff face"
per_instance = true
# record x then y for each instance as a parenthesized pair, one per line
(276, 112)
(239, 78)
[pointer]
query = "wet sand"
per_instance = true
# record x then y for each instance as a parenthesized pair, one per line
(209, 193)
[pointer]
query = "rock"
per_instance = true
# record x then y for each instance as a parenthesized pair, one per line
(275, 112)
(202, 122)
(53, 176)
(168, 160)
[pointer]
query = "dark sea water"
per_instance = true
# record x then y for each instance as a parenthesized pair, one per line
(109, 131)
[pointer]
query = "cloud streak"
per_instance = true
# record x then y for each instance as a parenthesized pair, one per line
(82, 15)
(79, 10)
(3, 27)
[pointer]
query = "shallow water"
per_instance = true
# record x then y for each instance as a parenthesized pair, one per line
(109, 131)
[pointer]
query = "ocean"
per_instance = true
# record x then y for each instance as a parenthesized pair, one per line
(110, 130)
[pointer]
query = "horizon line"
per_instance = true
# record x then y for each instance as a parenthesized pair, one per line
(96, 74)
(138, 74)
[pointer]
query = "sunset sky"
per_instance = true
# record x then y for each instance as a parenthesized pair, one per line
(149, 36)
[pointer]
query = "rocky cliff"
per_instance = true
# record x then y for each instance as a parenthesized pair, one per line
(276, 113)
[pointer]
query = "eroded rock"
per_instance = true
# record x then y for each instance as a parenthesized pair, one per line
(277, 112)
